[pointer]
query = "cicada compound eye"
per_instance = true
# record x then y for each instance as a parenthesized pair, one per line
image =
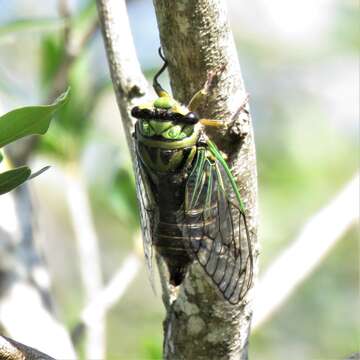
(135, 112)
(191, 118)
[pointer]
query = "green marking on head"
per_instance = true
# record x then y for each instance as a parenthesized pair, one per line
(178, 132)
(168, 129)
(146, 129)
(174, 133)
(160, 126)
(164, 102)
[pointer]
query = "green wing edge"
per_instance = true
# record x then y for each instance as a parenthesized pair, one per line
(216, 153)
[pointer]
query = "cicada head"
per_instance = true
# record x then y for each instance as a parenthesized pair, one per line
(165, 117)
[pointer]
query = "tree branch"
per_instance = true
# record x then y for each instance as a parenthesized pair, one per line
(72, 50)
(109, 295)
(129, 82)
(297, 262)
(12, 350)
(89, 256)
(197, 41)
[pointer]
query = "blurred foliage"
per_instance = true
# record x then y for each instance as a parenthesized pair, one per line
(152, 348)
(20, 123)
(346, 29)
(307, 149)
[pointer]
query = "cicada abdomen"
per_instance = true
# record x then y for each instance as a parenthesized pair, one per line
(166, 170)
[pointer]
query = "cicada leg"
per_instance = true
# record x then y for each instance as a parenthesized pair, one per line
(199, 96)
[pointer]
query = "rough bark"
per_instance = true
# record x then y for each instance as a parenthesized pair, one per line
(12, 350)
(197, 41)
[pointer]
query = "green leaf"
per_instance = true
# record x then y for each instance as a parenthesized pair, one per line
(28, 120)
(12, 178)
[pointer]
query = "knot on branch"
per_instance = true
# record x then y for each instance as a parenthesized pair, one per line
(240, 126)
(134, 91)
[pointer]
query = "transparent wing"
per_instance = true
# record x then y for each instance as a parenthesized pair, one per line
(146, 206)
(215, 224)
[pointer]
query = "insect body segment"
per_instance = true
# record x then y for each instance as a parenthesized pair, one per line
(191, 209)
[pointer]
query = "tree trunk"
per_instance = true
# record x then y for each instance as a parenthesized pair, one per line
(197, 42)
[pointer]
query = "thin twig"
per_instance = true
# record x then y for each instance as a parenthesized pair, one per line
(72, 50)
(129, 83)
(89, 256)
(79, 205)
(109, 295)
(297, 262)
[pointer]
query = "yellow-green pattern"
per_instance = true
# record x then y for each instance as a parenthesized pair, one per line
(166, 160)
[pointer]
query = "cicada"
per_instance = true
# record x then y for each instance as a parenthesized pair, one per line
(190, 205)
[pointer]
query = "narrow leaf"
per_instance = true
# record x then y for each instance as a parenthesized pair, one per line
(37, 173)
(28, 120)
(12, 178)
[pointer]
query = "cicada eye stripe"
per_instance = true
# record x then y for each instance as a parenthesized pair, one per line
(191, 118)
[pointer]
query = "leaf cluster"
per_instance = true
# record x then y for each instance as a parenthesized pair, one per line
(21, 122)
